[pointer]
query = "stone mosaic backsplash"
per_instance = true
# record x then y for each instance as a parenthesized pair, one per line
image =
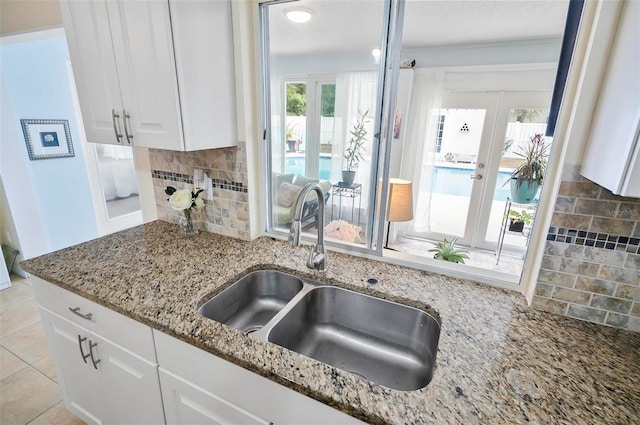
(591, 264)
(228, 213)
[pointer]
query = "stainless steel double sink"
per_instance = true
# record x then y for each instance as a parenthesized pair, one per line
(391, 344)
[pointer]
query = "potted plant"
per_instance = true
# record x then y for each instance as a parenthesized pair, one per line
(527, 177)
(517, 220)
(447, 251)
(354, 152)
(291, 137)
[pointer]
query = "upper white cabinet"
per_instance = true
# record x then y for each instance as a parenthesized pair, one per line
(155, 74)
(612, 158)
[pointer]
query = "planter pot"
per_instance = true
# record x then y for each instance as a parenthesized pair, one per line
(523, 191)
(348, 177)
(516, 226)
(291, 145)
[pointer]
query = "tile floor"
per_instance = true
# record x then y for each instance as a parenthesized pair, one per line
(29, 392)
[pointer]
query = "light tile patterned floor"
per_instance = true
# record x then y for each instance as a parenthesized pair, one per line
(29, 392)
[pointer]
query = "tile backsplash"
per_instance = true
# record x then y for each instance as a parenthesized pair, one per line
(228, 212)
(591, 264)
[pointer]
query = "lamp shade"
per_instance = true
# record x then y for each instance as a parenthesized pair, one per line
(400, 207)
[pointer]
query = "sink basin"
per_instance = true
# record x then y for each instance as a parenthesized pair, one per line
(252, 301)
(382, 341)
(388, 343)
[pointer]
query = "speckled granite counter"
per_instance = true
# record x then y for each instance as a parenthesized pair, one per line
(498, 360)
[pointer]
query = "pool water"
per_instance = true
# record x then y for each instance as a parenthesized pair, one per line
(456, 181)
(446, 180)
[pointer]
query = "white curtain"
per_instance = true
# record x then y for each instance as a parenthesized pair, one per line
(277, 123)
(419, 153)
(355, 91)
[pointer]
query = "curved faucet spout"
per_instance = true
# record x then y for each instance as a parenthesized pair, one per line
(318, 256)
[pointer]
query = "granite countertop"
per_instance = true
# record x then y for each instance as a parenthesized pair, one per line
(498, 360)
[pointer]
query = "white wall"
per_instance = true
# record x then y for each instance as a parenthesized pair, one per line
(50, 200)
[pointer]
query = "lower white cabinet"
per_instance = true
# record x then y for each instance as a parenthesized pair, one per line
(115, 370)
(186, 403)
(200, 388)
(101, 382)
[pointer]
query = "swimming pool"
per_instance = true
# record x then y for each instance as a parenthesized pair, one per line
(456, 181)
(295, 165)
(446, 180)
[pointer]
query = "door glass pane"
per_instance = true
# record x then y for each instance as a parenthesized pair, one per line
(523, 125)
(446, 183)
(327, 119)
(118, 179)
(295, 128)
(323, 91)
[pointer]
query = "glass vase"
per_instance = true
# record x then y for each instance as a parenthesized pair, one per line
(186, 225)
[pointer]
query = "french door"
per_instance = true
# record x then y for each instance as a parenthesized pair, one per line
(461, 192)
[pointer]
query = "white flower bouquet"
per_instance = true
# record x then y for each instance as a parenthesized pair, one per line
(185, 200)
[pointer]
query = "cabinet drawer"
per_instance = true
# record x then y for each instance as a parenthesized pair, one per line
(107, 323)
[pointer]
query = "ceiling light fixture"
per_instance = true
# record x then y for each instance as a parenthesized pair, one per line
(376, 55)
(298, 15)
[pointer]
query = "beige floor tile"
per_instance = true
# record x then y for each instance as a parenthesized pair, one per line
(46, 366)
(29, 343)
(9, 363)
(25, 395)
(14, 317)
(18, 292)
(57, 415)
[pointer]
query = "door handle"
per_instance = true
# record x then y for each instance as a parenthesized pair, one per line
(115, 119)
(476, 176)
(127, 120)
(93, 359)
(80, 341)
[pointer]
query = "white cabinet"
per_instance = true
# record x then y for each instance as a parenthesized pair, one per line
(101, 380)
(78, 381)
(155, 74)
(208, 389)
(186, 403)
(612, 158)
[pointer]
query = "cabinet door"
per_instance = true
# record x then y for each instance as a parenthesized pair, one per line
(186, 403)
(79, 382)
(142, 40)
(94, 69)
(130, 384)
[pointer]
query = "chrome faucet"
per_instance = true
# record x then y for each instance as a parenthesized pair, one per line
(318, 255)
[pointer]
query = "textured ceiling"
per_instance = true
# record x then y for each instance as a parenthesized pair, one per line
(355, 25)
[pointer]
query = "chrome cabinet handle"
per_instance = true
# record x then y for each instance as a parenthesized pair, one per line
(76, 311)
(127, 132)
(115, 119)
(80, 341)
(93, 359)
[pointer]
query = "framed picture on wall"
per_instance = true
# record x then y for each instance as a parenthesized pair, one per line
(47, 139)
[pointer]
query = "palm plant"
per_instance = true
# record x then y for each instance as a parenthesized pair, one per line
(535, 157)
(447, 251)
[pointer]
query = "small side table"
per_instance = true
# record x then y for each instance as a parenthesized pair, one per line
(505, 224)
(354, 192)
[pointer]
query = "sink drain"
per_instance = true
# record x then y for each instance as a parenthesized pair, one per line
(252, 329)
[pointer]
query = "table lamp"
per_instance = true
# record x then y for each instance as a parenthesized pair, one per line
(400, 205)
